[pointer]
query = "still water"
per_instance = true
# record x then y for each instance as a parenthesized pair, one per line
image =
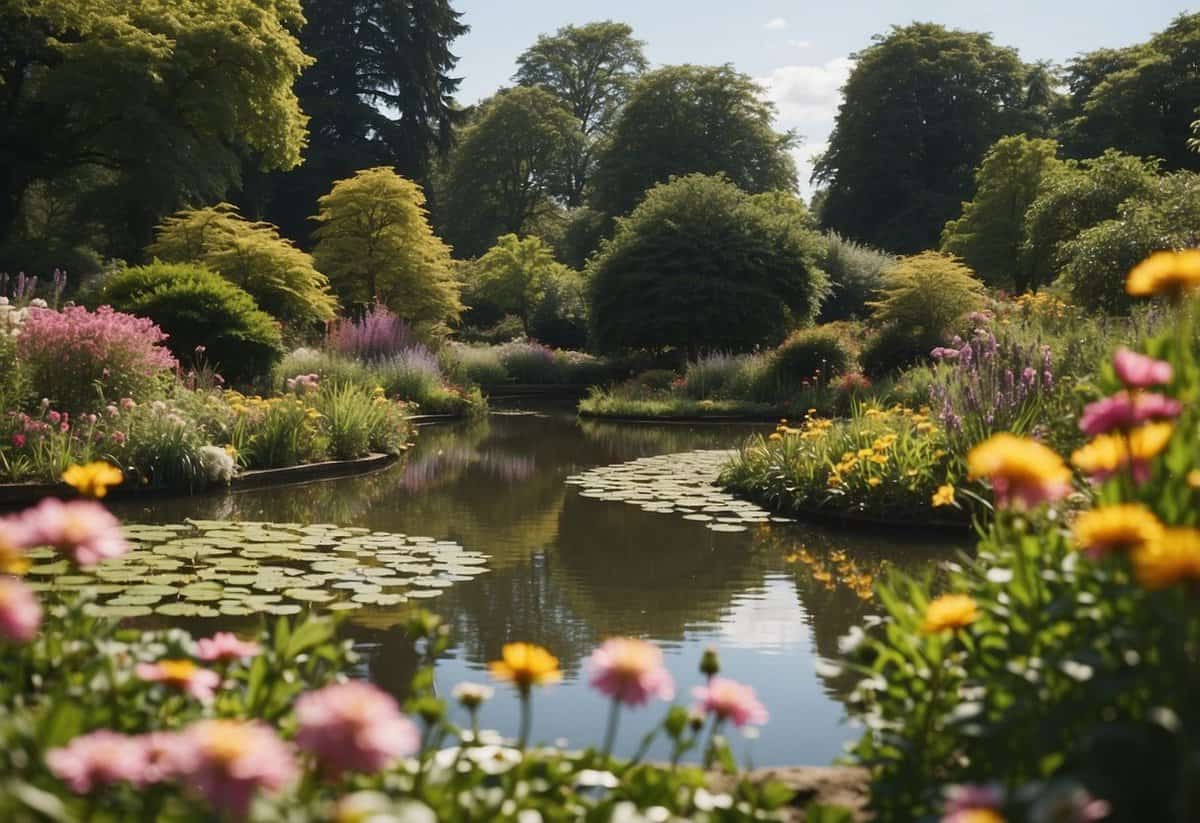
(567, 571)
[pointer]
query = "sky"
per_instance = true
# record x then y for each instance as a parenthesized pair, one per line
(799, 51)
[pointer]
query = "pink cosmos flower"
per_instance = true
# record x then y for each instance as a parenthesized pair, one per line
(98, 759)
(227, 762)
(354, 727)
(20, 614)
(630, 671)
(730, 700)
(1137, 371)
(1125, 411)
(81, 529)
(183, 675)
(162, 753)
(225, 646)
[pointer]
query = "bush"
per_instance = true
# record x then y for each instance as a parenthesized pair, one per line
(378, 333)
(893, 348)
(529, 362)
(926, 294)
(814, 356)
(723, 376)
(412, 374)
(560, 319)
(357, 421)
(855, 273)
(478, 364)
(202, 314)
(77, 358)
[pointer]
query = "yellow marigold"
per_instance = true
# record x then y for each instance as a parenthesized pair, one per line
(879, 459)
(525, 665)
(1109, 453)
(93, 479)
(1173, 558)
(944, 496)
(950, 611)
(1020, 470)
(873, 482)
(776, 436)
(1167, 272)
(1193, 478)
(925, 428)
(1121, 527)
(865, 452)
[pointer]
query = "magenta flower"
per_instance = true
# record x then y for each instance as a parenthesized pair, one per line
(354, 727)
(20, 614)
(1124, 411)
(81, 529)
(225, 646)
(630, 671)
(1137, 371)
(183, 675)
(730, 700)
(227, 762)
(18, 440)
(98, 759)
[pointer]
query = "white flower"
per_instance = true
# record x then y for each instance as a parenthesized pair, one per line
(594, 778)
(472, 695)
(706, 801)
(494, 759)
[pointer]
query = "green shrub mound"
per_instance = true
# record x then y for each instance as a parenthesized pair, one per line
(815, 355)
(855, 273)
(204, 315)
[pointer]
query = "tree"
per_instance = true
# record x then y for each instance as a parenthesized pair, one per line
(280, 277)
(685, 119)
(509, 168)
(1141, 100)
(1072, 197)
(590, 68)
(921, 107)
(515, 274)
(375, 243)
(381, 92)
(701, 265)
(160, 99)
(925, 294)
(989, 234)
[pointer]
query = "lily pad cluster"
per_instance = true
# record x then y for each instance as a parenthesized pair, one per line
(211, 568)
(683, 483)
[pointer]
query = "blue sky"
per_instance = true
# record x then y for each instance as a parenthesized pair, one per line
(800, 51)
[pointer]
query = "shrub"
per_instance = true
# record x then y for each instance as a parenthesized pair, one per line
(76, 357)
(160, 447)
(281, 431)
(724, 376)
(560, 318)
(855, 273)
(412, 374)
(358, 421)
(813, 355)
(202, 314)
(528, 362)
(378, 333)
(926, 294)
(894, 347)
(478, 364)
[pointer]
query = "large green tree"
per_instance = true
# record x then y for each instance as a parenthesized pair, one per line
(691, 119)
(375, 243)
(989, 234)
(157, 101)
(590, 68)
(509, 169)
(921, 107)
(701, 265)
(515, 274)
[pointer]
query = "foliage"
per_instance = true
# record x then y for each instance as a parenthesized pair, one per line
(203, 315)
(989, 235)
(818, 354)
(701, 264)
(515, 275)
(937, 99)
(926, 293)
(522, 361)
(892, 348)
(590, 68)
(140, 109)
(280, 277)
(358, 421)
(77, 358)
(376, 245)
(560, 319)
(509, 164)
(682, 120)
(855, 272)
(377, 334)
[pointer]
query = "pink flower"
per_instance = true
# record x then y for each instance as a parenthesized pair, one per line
(1137, 371)
(225, 646)
(18, 440)
(630, 671)
(20, 614)
(1125, 411)
(98, 759)
(227, 762)
(183, 675)
(54, 417)
(81, 529)
(162, 753)
(730, 700)
(354, 727)
(962, 799)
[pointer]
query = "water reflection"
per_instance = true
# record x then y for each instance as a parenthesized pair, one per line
(567, 571)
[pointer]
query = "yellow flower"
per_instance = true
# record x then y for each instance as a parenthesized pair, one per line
(1193, 478)
(865, 452)
(1109, 453)
(1020, 470)
(12, 559)
(879, 458)
(950, 611)
(873, 482)
(978, 816)
(1119, 527)
(776, 436)
(525, 665)
(93, 479)
(1172, 558)
(944, 496)
(1167, 272)
(925, 428)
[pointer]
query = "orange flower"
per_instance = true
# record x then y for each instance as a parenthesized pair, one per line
(949, 612)
(1173, 558)
(525, 665)
(1123, 527)
(1020, 470)
(93, 479)
(1166, 272)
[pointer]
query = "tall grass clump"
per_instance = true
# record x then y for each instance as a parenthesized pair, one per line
(723, 376)
(357, 421)
(411, 374)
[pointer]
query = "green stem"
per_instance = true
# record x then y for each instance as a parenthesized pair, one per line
(526, 719)
(610, 735)
(711, 749)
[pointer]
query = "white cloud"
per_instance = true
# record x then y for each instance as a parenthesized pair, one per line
(800, 44)
(777, 24)
(807, 93)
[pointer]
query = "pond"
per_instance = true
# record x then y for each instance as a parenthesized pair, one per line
(567, 569)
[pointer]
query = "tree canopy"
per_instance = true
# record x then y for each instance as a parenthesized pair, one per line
(921, 107)
(375, 243)
(701, 264)
(691, 119)
(515, 275)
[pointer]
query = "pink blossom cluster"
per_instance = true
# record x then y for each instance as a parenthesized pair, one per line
(304, 383)
(1128, 409)
(630, 671)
